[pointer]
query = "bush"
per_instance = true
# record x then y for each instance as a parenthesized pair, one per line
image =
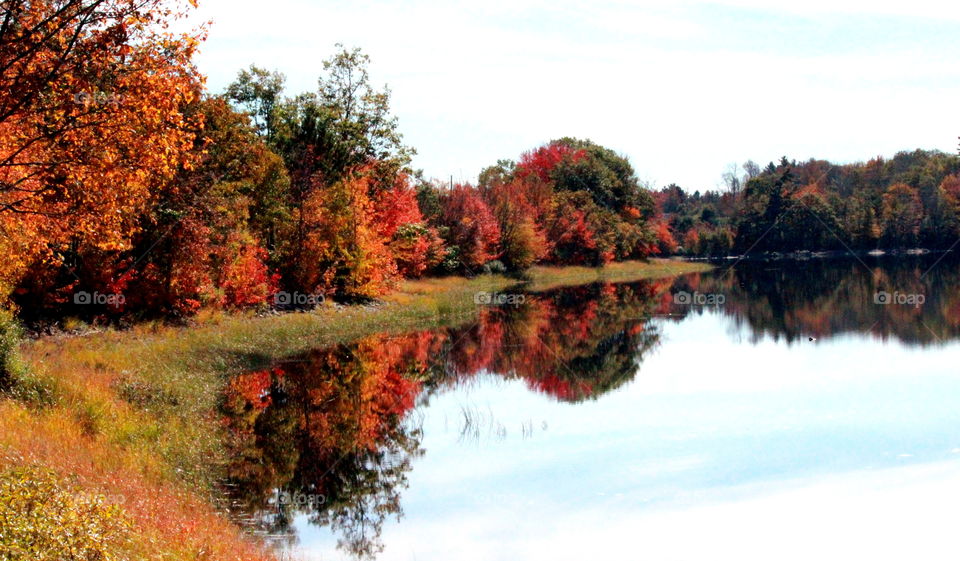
(15, 379)
(11, 367)
(43, 519)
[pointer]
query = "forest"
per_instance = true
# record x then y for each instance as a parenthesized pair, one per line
(156, 404)
(909, 201)
(128, 190)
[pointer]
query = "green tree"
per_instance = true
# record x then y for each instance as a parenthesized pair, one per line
(607, 176)
(258, 92)
(902, 214)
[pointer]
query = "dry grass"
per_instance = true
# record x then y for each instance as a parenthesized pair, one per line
(545, 278)
(168, 520)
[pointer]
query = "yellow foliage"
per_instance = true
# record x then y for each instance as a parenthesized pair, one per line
(43, 518)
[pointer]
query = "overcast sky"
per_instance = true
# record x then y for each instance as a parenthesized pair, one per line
(681, 88)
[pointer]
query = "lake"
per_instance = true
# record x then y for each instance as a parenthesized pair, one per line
(766, 410)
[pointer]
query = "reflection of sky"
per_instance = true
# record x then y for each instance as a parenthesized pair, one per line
(844, 448)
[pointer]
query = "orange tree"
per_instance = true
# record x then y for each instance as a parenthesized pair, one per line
(91, 97)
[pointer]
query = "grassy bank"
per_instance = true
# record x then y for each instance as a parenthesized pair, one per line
(132, 414)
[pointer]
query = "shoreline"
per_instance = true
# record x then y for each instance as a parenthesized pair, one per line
(832, 254)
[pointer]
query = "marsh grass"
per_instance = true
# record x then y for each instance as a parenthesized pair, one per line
(546, 278)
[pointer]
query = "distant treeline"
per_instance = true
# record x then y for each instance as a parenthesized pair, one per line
(909, 201)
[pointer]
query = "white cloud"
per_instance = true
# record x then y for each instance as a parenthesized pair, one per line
(474, 82)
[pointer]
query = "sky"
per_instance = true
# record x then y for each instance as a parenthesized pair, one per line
(683, 89)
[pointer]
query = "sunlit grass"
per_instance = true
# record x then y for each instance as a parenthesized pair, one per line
(545, 278)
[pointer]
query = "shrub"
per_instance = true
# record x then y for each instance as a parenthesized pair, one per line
(43, 519)
(15, 379)
(10, 364)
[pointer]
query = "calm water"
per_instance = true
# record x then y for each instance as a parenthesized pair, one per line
(795, 418)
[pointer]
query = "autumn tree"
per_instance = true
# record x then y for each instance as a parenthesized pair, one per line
(91, 118)
(570, 201)
(572, 236)
(472, 231)
(334, 141)
(259, 92)
(343, 252)
(902, 213)
(607, 176)
(414, 246)
(323, 135)
(522, 208)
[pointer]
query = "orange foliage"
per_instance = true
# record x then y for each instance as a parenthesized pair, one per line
(245, 279)
(666, 243)
(90, 119)
(343, 250)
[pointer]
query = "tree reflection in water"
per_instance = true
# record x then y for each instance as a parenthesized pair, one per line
(796, 300)
(329, 435)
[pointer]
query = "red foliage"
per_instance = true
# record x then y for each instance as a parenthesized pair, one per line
(342, 249)
(246, 281)
(175, 277)
(473, 229)
(252, 388)
(522, 209)
(951, 187)
(415, 246)
(574, 241)
(666, 243)
(631, 213)
(560, 388)
(543, 160)
(397, 206)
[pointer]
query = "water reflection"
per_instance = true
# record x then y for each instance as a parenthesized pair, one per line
(329, 435)
(912, 299)
(323, 434)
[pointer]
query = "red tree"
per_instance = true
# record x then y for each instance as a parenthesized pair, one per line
(543, 160)
(472, 228)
